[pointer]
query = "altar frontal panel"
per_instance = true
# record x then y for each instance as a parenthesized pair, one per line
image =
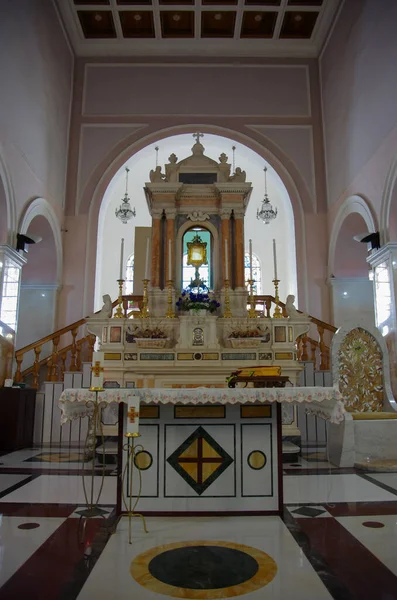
(199, 465)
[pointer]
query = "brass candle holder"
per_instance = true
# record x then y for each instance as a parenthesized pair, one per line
(132, 450)
(277, 311)
(144, 314)
(251, 311)
(119, 314)
(227, 312)
(170, 311)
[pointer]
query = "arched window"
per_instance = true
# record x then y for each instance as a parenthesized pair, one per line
(129, 276)
(189, 271)
(256, 273)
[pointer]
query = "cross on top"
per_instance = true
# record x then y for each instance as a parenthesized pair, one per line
(198, 136)
(132, 415)
(97, 369)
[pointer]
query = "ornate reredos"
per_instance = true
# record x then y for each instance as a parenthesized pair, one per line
(361, 372)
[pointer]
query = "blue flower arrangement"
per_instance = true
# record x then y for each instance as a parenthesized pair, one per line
(189, 300)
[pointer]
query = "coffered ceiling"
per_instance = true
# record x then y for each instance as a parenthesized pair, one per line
(295, 28)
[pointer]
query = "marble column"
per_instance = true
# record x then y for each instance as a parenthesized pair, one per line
(225, 214)
(170, 236)
(156, 240)
(239, 247)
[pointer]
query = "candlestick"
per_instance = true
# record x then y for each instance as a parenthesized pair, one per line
(250, 254)
(147, 260)
(251, 312)
(227, 313)
(170, 311)
(277, 311)
(275, 259)
(169, 261)
(121, 258)
(226, 261)
(119, 314)
(144, 314)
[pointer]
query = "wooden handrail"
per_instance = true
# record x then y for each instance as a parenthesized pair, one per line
(327, 326)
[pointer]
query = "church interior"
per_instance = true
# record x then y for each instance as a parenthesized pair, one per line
(198, 282)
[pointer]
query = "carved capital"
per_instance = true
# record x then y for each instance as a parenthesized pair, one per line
(170, 213)
(225, 213)
(239, 213)
(157, 213)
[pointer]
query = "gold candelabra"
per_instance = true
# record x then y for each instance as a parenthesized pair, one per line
(170, 311)
(145, 309)
(251, 311)
(119, 314)
(277, 311)
(132, 451)
(227, 312)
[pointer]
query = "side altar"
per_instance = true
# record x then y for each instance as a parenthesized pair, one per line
(202, 451)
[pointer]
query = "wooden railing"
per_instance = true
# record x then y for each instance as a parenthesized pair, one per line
(64, 355)
(68, 355)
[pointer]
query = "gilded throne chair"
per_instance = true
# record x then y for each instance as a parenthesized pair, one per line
(367, 438)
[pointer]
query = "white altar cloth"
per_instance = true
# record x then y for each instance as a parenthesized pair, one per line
(325, 401)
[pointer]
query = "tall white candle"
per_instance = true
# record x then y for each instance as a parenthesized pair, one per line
(226, 261)
(250, 253)
(275, 259)
(169, 261)
(147, 260)
(121, 258)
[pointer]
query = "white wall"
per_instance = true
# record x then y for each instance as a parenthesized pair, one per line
(353, 298)
(111, 230)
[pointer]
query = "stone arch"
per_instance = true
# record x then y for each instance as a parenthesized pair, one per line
(104, 172)
(39, 207)
(7, 205)
(388, 218)
(352, 205)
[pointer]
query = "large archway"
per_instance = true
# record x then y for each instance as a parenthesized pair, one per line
(41, 275)
(110, 230)
(352, 290)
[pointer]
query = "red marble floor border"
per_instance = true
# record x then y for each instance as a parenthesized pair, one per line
(358, 509)
(45, 574)
(17, 509)
(366, 577)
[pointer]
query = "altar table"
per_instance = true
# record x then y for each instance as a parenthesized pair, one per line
(208, 451)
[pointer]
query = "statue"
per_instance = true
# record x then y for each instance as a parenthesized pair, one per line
(107, 309)
(223, 158)
(292, 311)
(239, 176)
(173, 159)
(156, 175)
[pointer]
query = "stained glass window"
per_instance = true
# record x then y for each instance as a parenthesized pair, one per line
(383, 297)
(188, 271)
(256, 272)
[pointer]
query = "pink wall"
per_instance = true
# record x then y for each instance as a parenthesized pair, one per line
(120, 107)
(359, 88)
(36, 66)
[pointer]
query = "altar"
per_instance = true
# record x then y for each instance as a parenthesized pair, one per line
(204, 451)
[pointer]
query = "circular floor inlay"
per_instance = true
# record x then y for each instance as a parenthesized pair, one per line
(28, 525)
(59, 457)
(143, 460)
(256, 460)
(203, 569)
(374, 524)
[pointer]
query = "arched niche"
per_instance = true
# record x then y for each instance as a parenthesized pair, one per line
(95, 195)
(107, 255)
(183, 229)
(40, 276)
(351, 288)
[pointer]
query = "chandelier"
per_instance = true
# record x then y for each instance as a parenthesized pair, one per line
(125, 212)
(266, 212)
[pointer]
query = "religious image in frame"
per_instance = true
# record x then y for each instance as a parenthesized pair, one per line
(280, 334)
(115, 335)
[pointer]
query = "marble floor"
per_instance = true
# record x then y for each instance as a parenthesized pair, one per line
(336, 539)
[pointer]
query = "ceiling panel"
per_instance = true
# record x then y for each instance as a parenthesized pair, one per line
(298, 24)
(97, 23)
(258, 24)
(218, 23)
(137, 24)
(177, 24)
